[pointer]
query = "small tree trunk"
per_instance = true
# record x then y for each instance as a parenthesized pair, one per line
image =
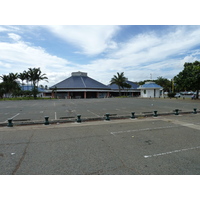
(119, 91)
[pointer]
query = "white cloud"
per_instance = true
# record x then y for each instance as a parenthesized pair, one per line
(91, 40)
(142, 55)
(145, 54)
(20, 56)
(14, 36)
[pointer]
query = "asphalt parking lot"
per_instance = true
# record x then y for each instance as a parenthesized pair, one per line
(144, 146)
(31, 110)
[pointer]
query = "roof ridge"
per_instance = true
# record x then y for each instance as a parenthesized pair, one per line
(83, 81)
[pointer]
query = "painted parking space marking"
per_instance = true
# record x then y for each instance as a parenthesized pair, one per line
(15, 115)
(170, 152)
(181, 123)
(144, 129)
(93, 113)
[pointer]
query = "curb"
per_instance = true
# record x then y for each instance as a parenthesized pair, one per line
(72, 120)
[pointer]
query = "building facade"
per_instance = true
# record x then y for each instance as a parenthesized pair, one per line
(78, 86)
(151, 89)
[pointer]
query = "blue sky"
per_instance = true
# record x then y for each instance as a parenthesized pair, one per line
(99, 50)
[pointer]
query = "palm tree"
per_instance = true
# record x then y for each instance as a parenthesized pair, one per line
(119, 80)
(22, 77)
(10, 84)
(35, 75)
(127, 86)
(26, 74)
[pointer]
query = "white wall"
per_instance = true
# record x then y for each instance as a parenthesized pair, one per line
(150, 93)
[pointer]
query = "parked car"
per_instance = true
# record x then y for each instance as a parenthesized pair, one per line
(177, 95)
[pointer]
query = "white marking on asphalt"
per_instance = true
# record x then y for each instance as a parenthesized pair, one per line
(189, 125)
(170, 152)
(54, 104)
(144, 129)
(93, 113)
(55, 115)
(15, 115)
(41, 111)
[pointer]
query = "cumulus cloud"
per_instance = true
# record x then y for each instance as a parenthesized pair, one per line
(159, 54)
(20, 56)
(14, 36)
(149, 53)
(91, 40)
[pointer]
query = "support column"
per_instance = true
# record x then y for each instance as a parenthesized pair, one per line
(97, 95)
(85, 95)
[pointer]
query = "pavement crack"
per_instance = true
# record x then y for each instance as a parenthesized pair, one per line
(23, 156)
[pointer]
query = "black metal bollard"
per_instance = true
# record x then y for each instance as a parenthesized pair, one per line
(176, 112)
(133, 115)
(155, 113)
(107, 116)
(78, 119)
(10, 124)
(195, 111)
(46, 120)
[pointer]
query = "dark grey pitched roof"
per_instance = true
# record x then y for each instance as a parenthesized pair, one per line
(79, 82)
(115, 87)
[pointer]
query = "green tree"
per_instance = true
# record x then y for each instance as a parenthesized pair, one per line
(9, 86)
(22, 77)
(189, 77)
(164, 82)
(35, 75)
(2, 90)
(127, 86)
(119, 80)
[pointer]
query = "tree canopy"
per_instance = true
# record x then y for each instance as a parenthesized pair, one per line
(10, 86)
(119, 80)
(189, 77)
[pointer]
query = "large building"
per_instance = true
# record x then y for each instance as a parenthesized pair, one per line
(79, 85)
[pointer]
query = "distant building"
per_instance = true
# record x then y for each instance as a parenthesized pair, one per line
(79, 85)
(151, 89)
(42, 92)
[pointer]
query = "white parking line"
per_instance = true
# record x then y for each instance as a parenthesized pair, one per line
(93, 113)
(15, 115)
(55, 115)
(169, 152)
(144, 129)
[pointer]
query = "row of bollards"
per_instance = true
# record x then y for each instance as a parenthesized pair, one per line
(107, 117)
